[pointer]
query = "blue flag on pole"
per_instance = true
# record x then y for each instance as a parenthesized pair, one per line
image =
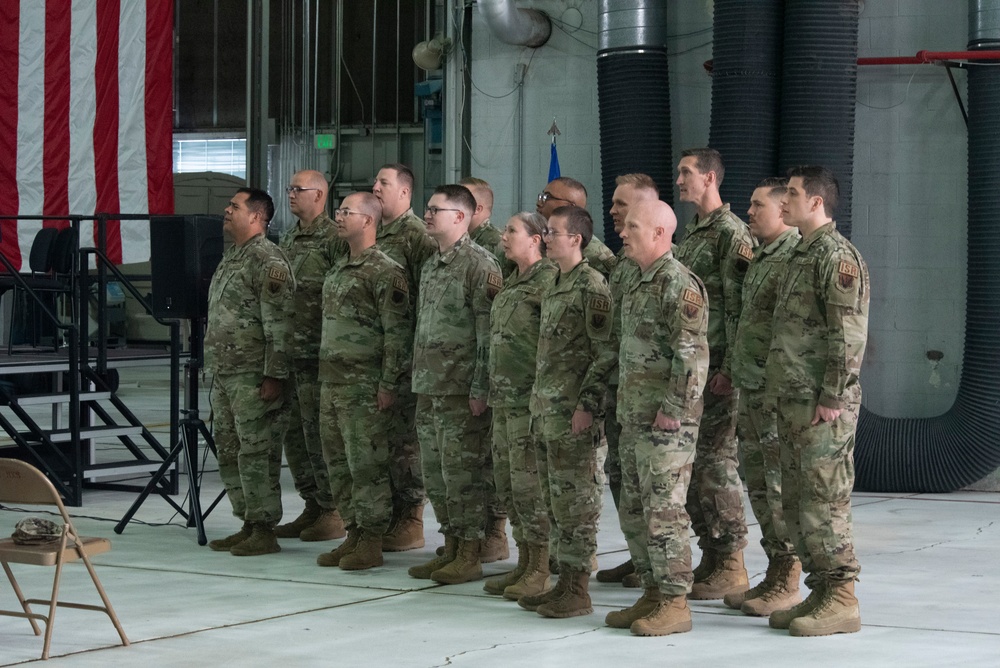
(554, 163)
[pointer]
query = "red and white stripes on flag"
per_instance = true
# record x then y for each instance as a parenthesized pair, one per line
(86, 117)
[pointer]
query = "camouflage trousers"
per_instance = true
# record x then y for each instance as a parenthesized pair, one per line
(715, 497)
(656, 472)
(248, 436)
(613, 433)
(303, 446)
(356, 449)
(454, 454)
(515, 472)
(570, 472)
(758, 431)
(405, 473)
(817, 476)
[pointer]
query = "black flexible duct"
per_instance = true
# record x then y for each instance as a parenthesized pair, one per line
(950, 451)
(746, 88)
(633, 95)
(819, 91)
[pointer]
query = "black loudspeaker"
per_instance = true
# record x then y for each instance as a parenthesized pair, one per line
(184, 252)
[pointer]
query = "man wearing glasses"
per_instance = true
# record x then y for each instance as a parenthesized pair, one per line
(565, 191)
(402, 237)
(450, 379)
(311, 246)
(364, 355)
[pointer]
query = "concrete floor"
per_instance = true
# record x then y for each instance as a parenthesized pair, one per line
(928, 595)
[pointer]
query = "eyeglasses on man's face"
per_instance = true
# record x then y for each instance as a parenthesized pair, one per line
(434, 210)
(337, 213)
(297, 190)
(549, 232)
(545, 196)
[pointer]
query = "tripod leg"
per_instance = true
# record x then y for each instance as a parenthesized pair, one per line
(189, 435)
(210, 442)
(151, 486)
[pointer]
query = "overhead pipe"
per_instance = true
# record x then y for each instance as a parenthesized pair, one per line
(930, 57)
(953, 450)
(521, 27)
(633, 97)
(746, 89)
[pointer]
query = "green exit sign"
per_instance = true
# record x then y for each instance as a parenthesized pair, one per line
(324, 141)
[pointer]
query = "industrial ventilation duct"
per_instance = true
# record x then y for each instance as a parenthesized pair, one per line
(746, 88)
(633, 94)
(521, 27)
(950, 451)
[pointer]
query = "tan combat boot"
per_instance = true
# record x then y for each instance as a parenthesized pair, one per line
(408, 531)
(261, 541)
(333, 557)
(617, 573)
(532, 602)
(465, 567)
(623, 619)
(705, 566)
(306, 518)
(495, 546)
(367, 553)
(671, 615)
(328, 526)
(836, 612)
(631, 581)
(782, 592)
(535, 578)
(781, 619)
(226, 544)
(728, 576)
(575, 600)
(497, 585)
(423, 571)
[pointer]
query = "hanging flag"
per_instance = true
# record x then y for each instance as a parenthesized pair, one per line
(554, 163)
(87, 110)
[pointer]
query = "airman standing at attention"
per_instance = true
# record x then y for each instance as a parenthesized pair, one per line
(818, 342)
(717, 248)
(663, 365)
(247, 347)
(757, 427)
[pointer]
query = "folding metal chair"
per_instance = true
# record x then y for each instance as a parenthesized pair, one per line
(22, 483)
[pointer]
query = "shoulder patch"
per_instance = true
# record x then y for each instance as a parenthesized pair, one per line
(399, 283)
(847, 274)
(745, 251)
(494, 282)
(277, 274)
(693, 297)
(601, 304)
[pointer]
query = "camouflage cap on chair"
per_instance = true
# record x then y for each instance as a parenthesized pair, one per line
(35, 531)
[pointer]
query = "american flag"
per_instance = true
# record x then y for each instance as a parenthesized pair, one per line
(86, 117)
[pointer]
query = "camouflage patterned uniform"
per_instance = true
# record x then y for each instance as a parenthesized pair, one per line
(310, 250)
(450, 357)
(600, 257)
(624, 273)
(366, 347)
(488, 237)
(663, 366)
(718, 249)
(757, 427)
(405, 240)
(514, 326)
(248, 339)
(820, 331)
(577, 351)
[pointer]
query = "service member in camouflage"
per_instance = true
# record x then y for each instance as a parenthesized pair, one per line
(577, 351)
(718, 248)
(367, 343)
(401, 236)
(514, 323)
(818, 341)
(565, 191)
(450, 363)
(495, 546)
(630, 189)
(663, 365)
(247, 347)
(310, 247)
(757, 426)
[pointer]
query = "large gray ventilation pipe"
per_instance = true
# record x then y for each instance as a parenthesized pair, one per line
(950, 451)
(521, 27)
(633, 95)
(746, 90)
